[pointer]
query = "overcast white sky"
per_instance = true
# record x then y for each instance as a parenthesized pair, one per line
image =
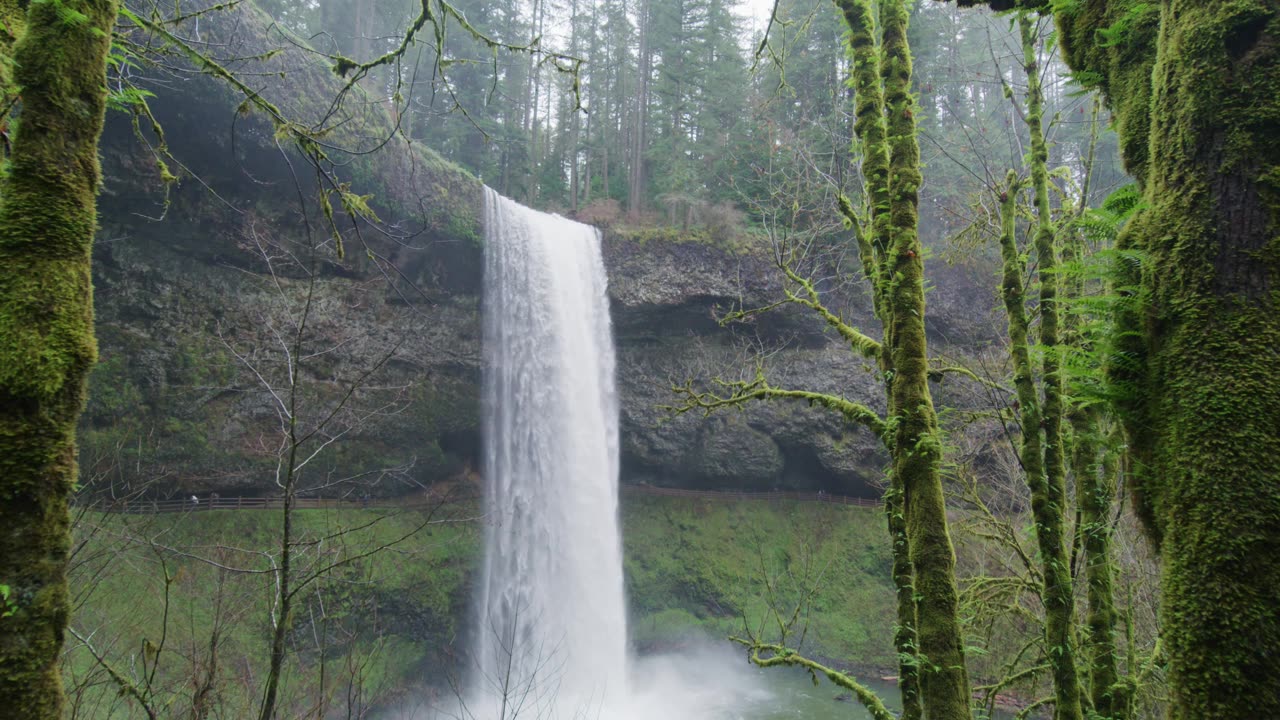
(756, 12)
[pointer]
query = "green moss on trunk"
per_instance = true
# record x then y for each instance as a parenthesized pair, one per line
(47, 221)
(872, 132)
(904, 634)
(1195, 88)
(1110, 46)
(1203, 417)
(1095, 495)
(928, 634)
(1014, 297)
(1048, 489)
(916, 446)
(1094, 465)
(12, 22)
(1199, 354)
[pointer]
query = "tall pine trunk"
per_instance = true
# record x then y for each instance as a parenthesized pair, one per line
(639, 118)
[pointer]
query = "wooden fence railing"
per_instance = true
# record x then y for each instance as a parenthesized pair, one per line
(208, 503)
(742, 495)
(205, 504)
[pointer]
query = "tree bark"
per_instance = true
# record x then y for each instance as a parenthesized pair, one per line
(928, 637)
(1199, 373)
(870, 129)
(917, 446)
(1094, 464)
(1206, 415)
(1095, 495)
(47, 220)
(640, 116)
(1048, 488)
(1195, 89)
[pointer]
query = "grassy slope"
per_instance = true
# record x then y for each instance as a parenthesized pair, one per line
(386, 616)
(693, 567)
(703, 563)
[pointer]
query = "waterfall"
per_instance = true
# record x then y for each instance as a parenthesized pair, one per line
(551, 621)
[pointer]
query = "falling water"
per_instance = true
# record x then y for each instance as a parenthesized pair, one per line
(551, 636)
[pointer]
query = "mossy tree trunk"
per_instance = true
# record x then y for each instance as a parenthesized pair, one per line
(1202, 381)
(1095, 494)
(47, 222)
(917, 446)
(1048, 484)
(871, 131)
(1032, 453)
(1096, 448)
(928, 638)
(1195, 89)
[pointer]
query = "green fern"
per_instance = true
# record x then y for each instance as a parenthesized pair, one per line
(1093, 310)
(1118, 32)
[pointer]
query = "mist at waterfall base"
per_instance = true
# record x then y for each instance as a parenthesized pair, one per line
(549, 640)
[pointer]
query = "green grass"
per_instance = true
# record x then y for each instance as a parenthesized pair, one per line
(383, 623)
(389, 597)
(701, 566)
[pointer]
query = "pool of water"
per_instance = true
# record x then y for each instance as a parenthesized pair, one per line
(791, 693)
(705, 684)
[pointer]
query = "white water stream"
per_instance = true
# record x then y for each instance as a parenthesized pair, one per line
(552, 615)
(550, 640)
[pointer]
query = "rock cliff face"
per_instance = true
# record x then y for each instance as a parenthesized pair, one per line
(233, 314)
(184, 307)
(666, 295)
